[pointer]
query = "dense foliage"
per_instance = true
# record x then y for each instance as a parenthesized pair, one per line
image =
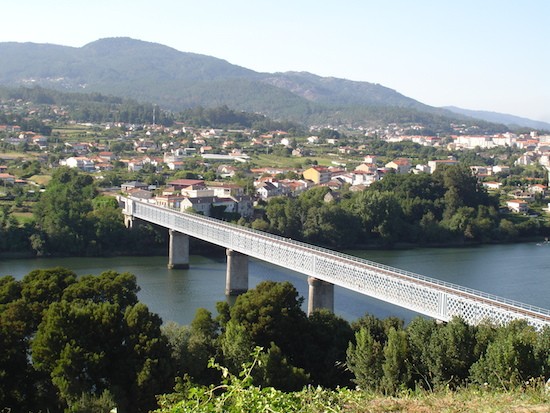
(223, 117)
(68, 340)
(71, 218)
(84, 107)
(448, 206)
(73, 342)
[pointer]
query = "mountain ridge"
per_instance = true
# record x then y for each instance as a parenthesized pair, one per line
(177, 80)
(504, 118)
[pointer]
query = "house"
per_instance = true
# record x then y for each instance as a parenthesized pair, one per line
(538, 189)
(142, 194)
(370, 159)
(170, 201)
(481, 170)
(40, 141)
(135, 165)
(7, 178)
(227, 171)
(525, 160)
(184, 183)
(266, 190)
(225, 189)
(517, 205)
(317, 174)
(400, 165)
(80, 162)
(107, 156)
(201, 205)
(133, 185)
(175, 165)
(492, 185)
(367, 167)
(440, 162)
(501, 169)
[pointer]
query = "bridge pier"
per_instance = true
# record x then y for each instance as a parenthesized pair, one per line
(128, 221)
(321, 295)
(236, 279)
(178, 253)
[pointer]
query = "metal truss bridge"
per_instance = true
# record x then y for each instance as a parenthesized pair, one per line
(433, 298)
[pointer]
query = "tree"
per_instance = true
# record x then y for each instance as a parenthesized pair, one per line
(62, 211)
(419, 332)
(325, 349)
(236, 346)
(380, 214)
(364, 359)
(396, 368)
(201, 346)
(282, 216)
(272, 312)
(511, 358)
(106, 219)
(97, 337)
(451, 352)
(274, 370)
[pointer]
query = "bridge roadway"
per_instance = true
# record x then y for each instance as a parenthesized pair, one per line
(434, 298)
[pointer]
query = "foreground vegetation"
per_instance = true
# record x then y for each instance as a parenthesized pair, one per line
(238, 394)
(70, 343)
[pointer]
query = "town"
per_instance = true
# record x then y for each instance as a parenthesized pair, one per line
(210, 169)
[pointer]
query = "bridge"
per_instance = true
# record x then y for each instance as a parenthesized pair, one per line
(325, 268)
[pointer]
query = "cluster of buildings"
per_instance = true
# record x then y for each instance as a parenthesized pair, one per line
(195, 194)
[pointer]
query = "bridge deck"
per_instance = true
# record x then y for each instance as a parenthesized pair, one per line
(425, 295)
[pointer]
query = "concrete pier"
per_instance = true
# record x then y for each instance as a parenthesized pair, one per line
(236, 279)
(321, 295)
(178, 254)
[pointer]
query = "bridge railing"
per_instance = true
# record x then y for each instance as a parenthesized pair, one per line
(321, 262)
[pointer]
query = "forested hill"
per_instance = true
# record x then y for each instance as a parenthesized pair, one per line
(175, 80)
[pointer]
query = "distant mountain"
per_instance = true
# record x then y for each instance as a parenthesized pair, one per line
(150, 72)
(503, 118)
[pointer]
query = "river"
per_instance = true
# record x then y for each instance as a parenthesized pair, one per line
(517, 271)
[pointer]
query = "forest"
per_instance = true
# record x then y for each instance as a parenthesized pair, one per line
(85, 344)
(99, 108)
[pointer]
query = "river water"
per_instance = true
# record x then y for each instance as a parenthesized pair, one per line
(517, 271)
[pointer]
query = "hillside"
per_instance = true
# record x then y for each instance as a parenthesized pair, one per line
(505, 119)
(175, 80)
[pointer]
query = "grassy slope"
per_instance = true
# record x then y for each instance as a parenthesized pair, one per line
(534, 399)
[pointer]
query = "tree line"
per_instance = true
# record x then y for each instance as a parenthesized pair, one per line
(72, 218)
(85, 343)
(448, 206)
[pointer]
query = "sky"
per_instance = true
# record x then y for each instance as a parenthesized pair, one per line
(475, 54)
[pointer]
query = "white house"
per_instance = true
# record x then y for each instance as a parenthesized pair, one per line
(517, 205)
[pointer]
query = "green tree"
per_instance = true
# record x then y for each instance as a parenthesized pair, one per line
(236, 346)
(510, 359)
(396, 368)
(274, 370)
(364, 358)
(419, 333)
(202, 346)
(108, 224)
(451, 352)
(97, 337)
(62, 211)
(272, 312)
(380, 213)
(325, 349)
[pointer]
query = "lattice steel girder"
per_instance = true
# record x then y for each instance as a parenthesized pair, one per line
(415, 292)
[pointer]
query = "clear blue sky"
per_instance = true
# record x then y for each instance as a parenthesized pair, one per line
(476, 54)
